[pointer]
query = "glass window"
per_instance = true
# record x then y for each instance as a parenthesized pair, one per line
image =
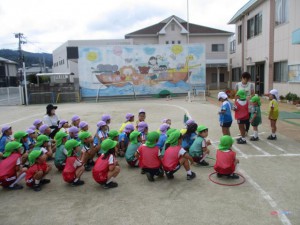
(240, 34)
(254, 26)
(173, 42)
(251, 70)
(232, 46)
(281, 11)
(167, 42)
(281, 71)
(294, 73)
(236, 74)
(214, 78)
(178, 42)
(217, 47)
(222, 77)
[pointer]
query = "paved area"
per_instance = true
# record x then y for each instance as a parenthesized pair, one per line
(270, 194)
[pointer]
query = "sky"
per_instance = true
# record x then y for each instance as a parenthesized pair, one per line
(48, 24)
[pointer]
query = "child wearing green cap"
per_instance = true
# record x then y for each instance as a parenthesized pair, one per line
(199, 149)
(176, 156)
(149, 157)
(241, 114)
(89, 148)
(61, 153)
(135, 140)
(11, 172)
(44, 145)
(226, 158)
(37, 171)
(74, 166)
(22, 138)
(113, 135)
(255, 117)
(107, 168)
(166, 144)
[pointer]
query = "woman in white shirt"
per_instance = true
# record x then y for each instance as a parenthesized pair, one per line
(51, 119)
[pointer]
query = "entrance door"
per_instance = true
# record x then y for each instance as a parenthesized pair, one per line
(260, 78)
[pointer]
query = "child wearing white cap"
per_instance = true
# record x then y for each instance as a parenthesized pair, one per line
(273, 112)
(225, 116)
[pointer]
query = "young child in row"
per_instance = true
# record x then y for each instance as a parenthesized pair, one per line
(255, 117)
(83, 126)
(22, 138)
(273, 112)
(226, 160)
(107, 168)
(142, 127)
(124, 140)
(43, 144)
(141, 117)
(107, 119)
(198, 151)
(61, 152)
(37, 124)
(135, 141)
(46, 130)
(89, 148)
(241, 109)
(75, 121)
(163, 135)
(101, 133)
(5, 137)
(74, 166)
(176, 156)
(63, 126)
(129, 120)
(189, 136)
(32, 136)
(225, 117)
(11, 171)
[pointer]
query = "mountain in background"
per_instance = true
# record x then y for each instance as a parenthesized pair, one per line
(29, 57)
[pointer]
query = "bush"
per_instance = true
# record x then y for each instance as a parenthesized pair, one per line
(291, 97)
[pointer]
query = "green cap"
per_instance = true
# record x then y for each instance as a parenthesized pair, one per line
(83, 135)
(256, 99)
(33, 155)
(226, 142)
(241, 94)
(112, 134)
(108, 144)
(19, 135)
(133, 137)
(59, 136)
(170, 131)
(152, 138)
(174, 136)
(10, 147)
(201, 128)
(70, 145)
(41, 139)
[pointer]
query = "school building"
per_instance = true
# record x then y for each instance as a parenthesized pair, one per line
(267, 44)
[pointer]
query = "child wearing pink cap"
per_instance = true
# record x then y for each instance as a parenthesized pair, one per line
(46, 130)
(37, 123)
(5, 137)
(143, 128)
(75, 121)
(124, 139)
(101, 133)
(129, 120)
(107, 119)
(163, 135)
(83, 126)
(167, 121)
(63, 126)
(73, 133)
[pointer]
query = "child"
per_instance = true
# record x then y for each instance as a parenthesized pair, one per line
(73, 133)
(226, 158)
(143, 128)
(107, 119)
(11, 172)
(74, 167)
(273, 112)
(22, 138)
(61, 153)
(113, 135)
(225, 117)
(135, 142)
(75, 121)
(148, 156)
(43, 145)
(163, 135)
(190, 135)
(63, 126)
(5, 138)
(175, 156)
(84, 126)
(37, 123)
(129, 120)
(124, 139)
(101, 133)
(168, 121)
(46, 130)
(141, 117)
(255, 118)
(199, 149)
(168, 133)
(241, 114)
(89, 148)
(37, 171)
(107, 168)
(31, 138)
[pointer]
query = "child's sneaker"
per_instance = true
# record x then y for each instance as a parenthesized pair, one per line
(45, 181)
(191, 177)
(37, 187)
(241, 141)
(233, 176)
(219, 175)
(203, 163)
(87, 167)
(161, 173)
(15, 187)
(272, 138)
(169, 175)
(150, 177)
(110, 185)
(254, 138)
(77, 183)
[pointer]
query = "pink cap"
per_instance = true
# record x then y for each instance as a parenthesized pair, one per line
(74, 118)
(36, 122)
(5, 128)
(82, 124)
(32, 128)
(142, 126)
(128, 116)
(164, 127)
(30, 131)
(73, 130)
(101, 123)
(43, 128)
(61, 123)
(128, 128)
(105, 117)
(189, 122)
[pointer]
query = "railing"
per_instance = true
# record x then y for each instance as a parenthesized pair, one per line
(11, 95)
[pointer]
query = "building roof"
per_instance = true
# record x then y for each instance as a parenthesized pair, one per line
(7, 61)
(244, 10)
(193, 28)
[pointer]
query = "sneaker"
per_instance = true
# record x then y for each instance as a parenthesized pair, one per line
(15, 187)
(87, 167)
(203, 163)
(191, 177)
(45, 181)
(219, 175)
(233, 176)
(78, 183)
(150, 177)
(110, 185)
(37, 187)
(142, 171)
(161, 173)
(91, 162)
(254, 138)
(272, 138)
(241, 141)
(170, 175)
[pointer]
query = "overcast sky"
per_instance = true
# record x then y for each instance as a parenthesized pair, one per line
(48, 24)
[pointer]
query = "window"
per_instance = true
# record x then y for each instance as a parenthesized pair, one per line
(281, 71)
(222, 77)
(251, 70)
(167, 42)
(173, 42)
(236, 74)
(294, 72)
(214, 78)
(217, 47)
(254, 26)
(240, 34)
(281, 11)
(179, 42)
(232, 46)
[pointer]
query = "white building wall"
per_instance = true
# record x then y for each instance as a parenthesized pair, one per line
(145, 40)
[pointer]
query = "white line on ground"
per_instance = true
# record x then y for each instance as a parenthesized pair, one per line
(240, 151)
(177, 106)
(258, 148)
(275, 146)
(238, 137)
(283, 218)
(280, 155)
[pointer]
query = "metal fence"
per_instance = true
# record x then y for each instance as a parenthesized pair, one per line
(11, 96)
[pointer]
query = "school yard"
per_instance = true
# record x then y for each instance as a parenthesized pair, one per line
(270, 194)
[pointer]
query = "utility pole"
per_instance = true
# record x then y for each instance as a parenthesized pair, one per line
(22, 40)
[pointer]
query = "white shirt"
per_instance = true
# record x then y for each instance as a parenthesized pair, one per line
(51, 120)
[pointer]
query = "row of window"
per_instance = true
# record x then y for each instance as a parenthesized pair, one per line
(60, 62)
(214, 47)
(173, 42)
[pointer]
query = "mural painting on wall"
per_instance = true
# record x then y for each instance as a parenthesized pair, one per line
(149, 68)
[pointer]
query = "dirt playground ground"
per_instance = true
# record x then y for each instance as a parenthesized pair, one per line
(270, 194)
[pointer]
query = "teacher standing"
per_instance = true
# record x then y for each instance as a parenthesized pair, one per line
(51, 119)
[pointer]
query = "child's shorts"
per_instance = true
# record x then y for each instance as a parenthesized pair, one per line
(59, 166)
(153, 171)
(69, 177)
(133, 163)
(255, 124)
(6, 181)
(243, 121)
(227, 124)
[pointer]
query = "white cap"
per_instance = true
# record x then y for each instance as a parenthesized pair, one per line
(275, 93)
(222, 95)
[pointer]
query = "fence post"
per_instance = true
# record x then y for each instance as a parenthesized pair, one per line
(7, 95)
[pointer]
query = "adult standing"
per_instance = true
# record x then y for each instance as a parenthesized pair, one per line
(51, 119)
(248, 88)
